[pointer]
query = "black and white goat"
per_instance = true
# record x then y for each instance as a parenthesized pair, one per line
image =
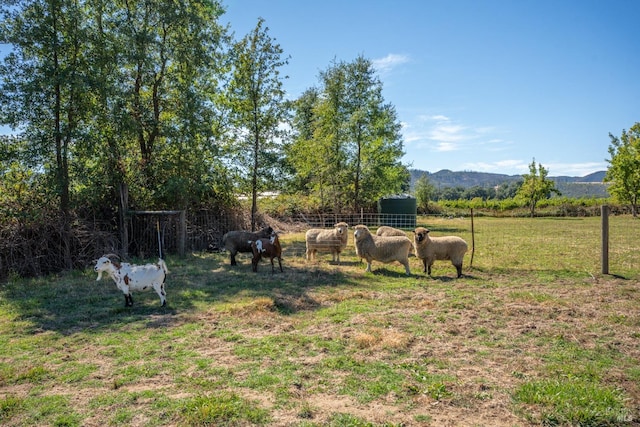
(129, 277)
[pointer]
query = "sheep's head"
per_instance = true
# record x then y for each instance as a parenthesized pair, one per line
(421, 234)
(361, 231)
(342, 227)
(265, 232)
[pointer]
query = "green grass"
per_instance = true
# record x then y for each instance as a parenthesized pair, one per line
(532, 334)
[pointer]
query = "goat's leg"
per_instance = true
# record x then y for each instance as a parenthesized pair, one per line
(280, 264)
(159, 288)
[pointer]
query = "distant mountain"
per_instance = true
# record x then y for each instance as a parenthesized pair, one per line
(570, 186)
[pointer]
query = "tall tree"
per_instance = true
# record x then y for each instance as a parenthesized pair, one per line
(624, 167)
(424, 191)
(258, 110)
(355, 146)
(42, 86)
(536, 186)
(170, 56)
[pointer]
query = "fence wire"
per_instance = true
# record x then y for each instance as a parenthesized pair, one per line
(542, 244)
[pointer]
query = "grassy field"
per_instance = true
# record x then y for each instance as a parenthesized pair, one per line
(532, 334)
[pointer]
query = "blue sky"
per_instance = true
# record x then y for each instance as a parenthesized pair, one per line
(479, 85)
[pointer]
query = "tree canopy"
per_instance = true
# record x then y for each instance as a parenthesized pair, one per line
(347, 144)
(536, 186)
(152, 104)
(624, 167)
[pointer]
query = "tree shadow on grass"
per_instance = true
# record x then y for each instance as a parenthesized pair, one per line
(73, 301)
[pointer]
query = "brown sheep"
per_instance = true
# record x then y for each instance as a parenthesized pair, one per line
(238, 241)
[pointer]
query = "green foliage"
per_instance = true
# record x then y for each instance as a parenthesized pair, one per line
(423, 192)
(536, 187)
(347, 144)
(111, 93)
(624, 167)
(257, 110)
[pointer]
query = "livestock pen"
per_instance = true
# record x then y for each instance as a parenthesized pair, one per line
(550, 243)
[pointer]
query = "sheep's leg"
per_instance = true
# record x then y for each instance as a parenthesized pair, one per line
(406, 266)
(128, 300)
(424, 262)
(428, 268)
(232, 256)
(368, 269)
(459, 270)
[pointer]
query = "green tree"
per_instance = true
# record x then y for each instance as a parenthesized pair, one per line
(257, 111)
(347, 145)
(169, 58)
(424, 191)
(536, 186)
(624, 167)
(43, 90)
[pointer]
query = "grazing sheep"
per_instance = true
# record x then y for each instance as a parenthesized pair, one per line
(238, 241)
(430, 249)
(385, 230)
(381, 248)
(130, 277)
(334, 240)
(266, 248)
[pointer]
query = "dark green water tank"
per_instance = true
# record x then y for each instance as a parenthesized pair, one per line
(398, 211)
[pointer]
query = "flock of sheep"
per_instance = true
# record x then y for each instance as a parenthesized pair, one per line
(387, 245)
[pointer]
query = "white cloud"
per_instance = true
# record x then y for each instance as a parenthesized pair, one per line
(441, 133)
(574, 169)
(389, 62)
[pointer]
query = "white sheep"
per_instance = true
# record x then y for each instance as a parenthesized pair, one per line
(321, 240)
(130, 277)
(385, 249)
(430, 249)
(385, 230)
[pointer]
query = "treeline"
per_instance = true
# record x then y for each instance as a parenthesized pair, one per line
(155, 102)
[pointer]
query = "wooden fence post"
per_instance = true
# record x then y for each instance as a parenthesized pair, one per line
(604, 254)
(182, 234)
(473, 240)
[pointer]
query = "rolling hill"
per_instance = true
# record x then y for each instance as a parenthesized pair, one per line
(591, 185)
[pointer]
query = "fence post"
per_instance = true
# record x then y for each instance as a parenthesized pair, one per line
(604, 254)
(473, 240)
(182, 234)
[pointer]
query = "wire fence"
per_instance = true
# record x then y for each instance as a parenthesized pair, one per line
(549, 245)
(542, 244)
